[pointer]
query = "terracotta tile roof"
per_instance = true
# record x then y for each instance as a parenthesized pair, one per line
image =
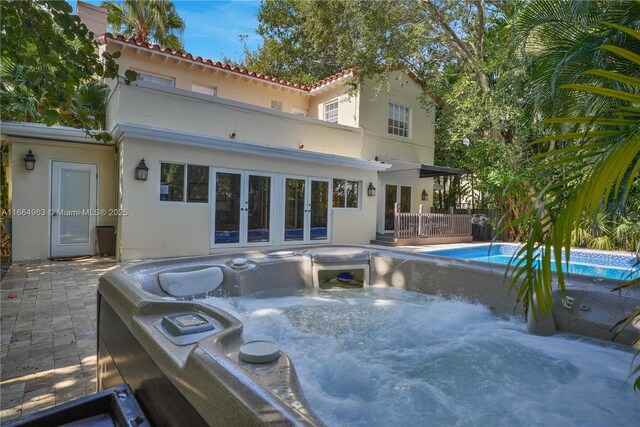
(104, 38)
(332, 78)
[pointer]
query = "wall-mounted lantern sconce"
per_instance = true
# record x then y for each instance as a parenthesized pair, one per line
(371, 190)
(142, 171)
(30, 161)
(425, 195)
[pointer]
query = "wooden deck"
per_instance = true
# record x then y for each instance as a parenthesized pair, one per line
(390, 240)
(419, 228)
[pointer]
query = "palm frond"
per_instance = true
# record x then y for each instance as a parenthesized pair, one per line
(612, 75)
(151, 21)
(586, 120)
(624, 53)
(597, 151)
(613, 93)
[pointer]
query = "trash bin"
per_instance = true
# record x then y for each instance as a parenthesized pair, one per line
(114, 407)
(481, 229)
(106, 240)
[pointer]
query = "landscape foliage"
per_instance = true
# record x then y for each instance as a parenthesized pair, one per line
(49, 67)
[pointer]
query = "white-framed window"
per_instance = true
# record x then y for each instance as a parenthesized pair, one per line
(163, 81)
(205, 90)
(173, 177)
(346, 193)
(331, 111)
(298, 111)
(399, 119)
(197, 184)
(276, 105)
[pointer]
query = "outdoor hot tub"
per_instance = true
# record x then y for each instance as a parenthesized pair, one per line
(357, 336)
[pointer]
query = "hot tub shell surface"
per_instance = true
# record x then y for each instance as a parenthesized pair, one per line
(206, 383)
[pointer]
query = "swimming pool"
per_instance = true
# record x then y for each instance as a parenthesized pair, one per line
(381, 356)
(604, 265)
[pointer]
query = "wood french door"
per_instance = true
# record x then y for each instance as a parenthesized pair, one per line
(393, 193)
(242, 212)
(73, 207)
(306, 209)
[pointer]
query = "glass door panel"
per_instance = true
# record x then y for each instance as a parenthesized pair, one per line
(259, 209)
(75, 197)
(294, 211)
(390, 199)
(319, 210)
(227, 207)
(405, 199)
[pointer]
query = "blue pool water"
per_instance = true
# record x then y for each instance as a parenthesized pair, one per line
(587, 263)
(262, 235)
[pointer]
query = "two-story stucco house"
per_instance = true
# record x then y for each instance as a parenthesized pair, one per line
(234, 158)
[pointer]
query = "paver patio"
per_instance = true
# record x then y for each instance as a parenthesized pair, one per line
(48, 333)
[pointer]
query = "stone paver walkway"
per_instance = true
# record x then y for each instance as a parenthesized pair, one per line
(48, 333)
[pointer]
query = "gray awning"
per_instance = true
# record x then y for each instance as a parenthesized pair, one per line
(426, 171)
(431, 171)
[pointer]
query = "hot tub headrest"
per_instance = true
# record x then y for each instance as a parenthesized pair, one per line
(340, 256)
(183, 283)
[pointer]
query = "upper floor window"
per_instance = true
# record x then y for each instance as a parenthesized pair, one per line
(345, 193)
(331, 111)
(163, 81)
(276, 105)
(206, 90)
(399, 119)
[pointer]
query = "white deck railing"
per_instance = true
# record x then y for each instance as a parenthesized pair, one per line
(409, 225)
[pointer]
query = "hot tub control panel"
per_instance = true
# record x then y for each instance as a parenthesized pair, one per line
(185, 328)
(186, 324)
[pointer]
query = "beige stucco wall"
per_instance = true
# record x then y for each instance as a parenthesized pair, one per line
(374, 114)
(418, 147)
(94, 17)
(32, 189)
(163, 229)
(242, 109)
(347, 105)
(149, 105)
(366, 108)
(9, 172)
(234, 87)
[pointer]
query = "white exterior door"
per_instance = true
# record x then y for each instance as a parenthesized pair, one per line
(242, 211)
(73, 204)
(306, 209)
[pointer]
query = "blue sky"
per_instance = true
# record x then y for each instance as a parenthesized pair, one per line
(213, 27)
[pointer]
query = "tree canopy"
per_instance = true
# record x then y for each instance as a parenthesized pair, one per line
(48, 64)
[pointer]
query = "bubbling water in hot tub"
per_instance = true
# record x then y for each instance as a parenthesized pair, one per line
(381, 356)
